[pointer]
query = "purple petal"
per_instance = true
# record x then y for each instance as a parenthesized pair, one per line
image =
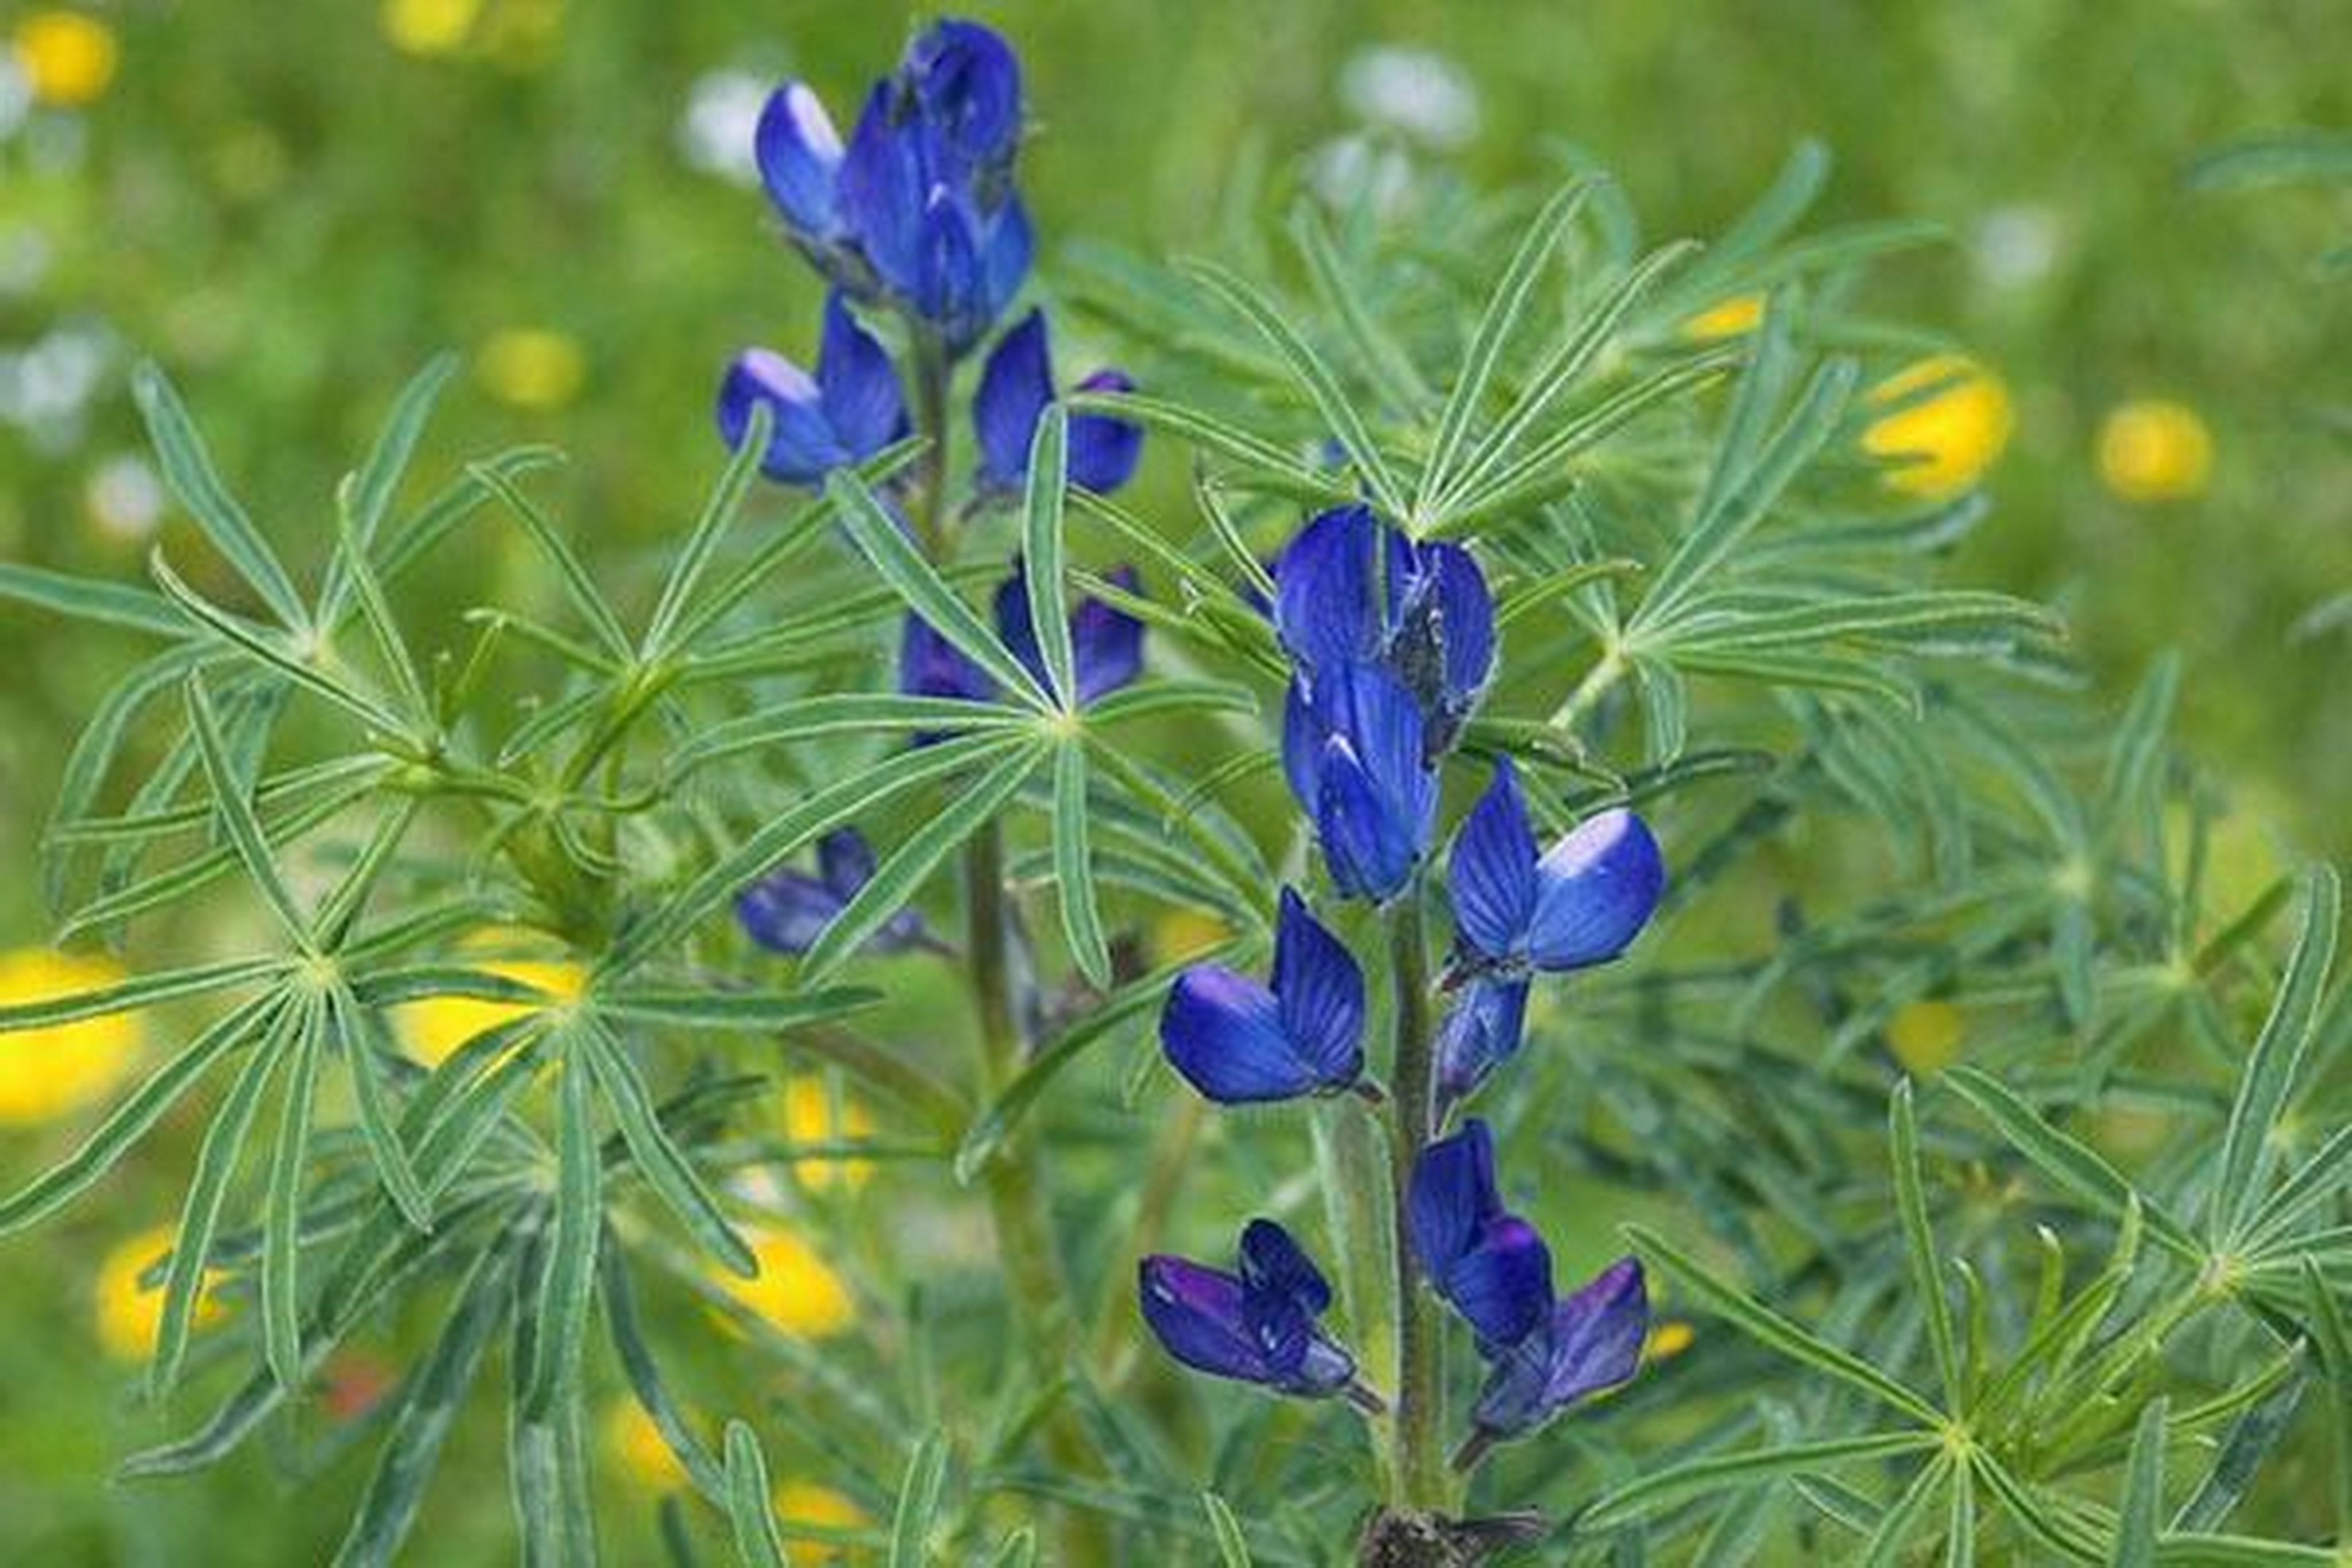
(1320, 993)
(801, 443)
(1015, 385)
(932, 666)
(1596, 890)
(1377, 799)
(882, 192)
(1597, 1333)
(1467, 607)
(1006, 246)
(1323, 590)
(1223, 1033)
(1481, 1033)
(1105, 644)
(1197, 1314)
(799, 155)
(1104, 451)
(1452, 1197)
(845, 861)
(1491, 874)
(1502, 1285)
(860, 385)
(968, 82)
(786, 911)
(1273, 1261)
(1302, 744)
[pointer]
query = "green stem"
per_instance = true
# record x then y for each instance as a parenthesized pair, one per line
(1420, 1469)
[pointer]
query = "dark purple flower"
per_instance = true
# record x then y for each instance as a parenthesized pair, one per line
(1351, 590)
(1352, 748)
(1015, 385)
(1481, 1033)
(847, 412)
(1589, 1341)
(787, 910)
(1106, 646)
(1239, 1041)
(1257, 1325)
(1487, 1262)
(1580, 903)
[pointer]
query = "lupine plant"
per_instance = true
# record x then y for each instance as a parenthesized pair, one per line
(1401, 965)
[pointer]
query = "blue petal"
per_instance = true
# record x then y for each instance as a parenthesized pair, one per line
(859, 384)
(1321, 995)
(1452, 1197)
(1597, 1334)
(1105, 644)
(1502, 1285)
(1467, 610)
(1006, 246)
(882, 192)
(968, 82)
(947, 288)
(1015, 385)
(785, 910)
(846, 862)
(1272, 1261)
(1104, 451)
(1323, 590)
(1491, 874)
(799, 155)
(1480, 1033)
(1223, 1033)
(932, 666)
(1596, 890)
(1302, 745)
(1376, 799)
(801, 443)
(1014, 628)
(1197, 1314)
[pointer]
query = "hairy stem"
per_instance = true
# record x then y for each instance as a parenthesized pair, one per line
(1420, 1469)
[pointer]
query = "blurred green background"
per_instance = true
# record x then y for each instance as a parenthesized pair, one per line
(293, 206)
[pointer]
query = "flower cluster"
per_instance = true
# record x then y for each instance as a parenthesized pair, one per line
(1391, 644)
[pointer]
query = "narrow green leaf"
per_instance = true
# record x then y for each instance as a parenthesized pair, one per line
(93, 757)
(1044, 552)
(1074, 865)
(1497, 329)
(578, 586)
(718, 516)
(1934, 617)
(909, 865)
(281, 1291)
(1919, 1243)
(2140, 1518)
(1960, 1534)
(806, 719)
(454, 503)
(2194, 1551)
(657, 1156)
(362, 1062)
(369, 492)
(1717, 1472)
(88, 599)
(2274, 1062)
(2332, 1343)
(1289, 475)
(578, 1225)
(188, 470)
(623, 1327)
(245, 834)
(1385, 362)
(918, 1501)
(137, 992)
(882, 540)
(269, 647)
(752, 1012)
(2252, 1438)
(1233, 1546)
(2027, 1510)
(1322, 387)
(1884, 1549)
(375, 613)
(748, 1507)
(1776, 1332)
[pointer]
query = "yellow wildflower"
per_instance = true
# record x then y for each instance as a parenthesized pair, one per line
(1668, 1340)
(810, 1115)
(2155, 450)
(637, 1447)
(429, 27)
(433, 1029)
(127, 1313)
(1945, 441)
(796, 1292)
(68, 59)
(1181, 933)
(800, 1503)
(1733, 318)
(47, 1072)
(1926, 1035)
(531, 368)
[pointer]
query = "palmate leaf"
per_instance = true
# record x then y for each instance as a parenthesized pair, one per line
(270, 648)
(2273, 1064)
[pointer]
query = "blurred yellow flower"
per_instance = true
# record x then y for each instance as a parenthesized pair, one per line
(429, 27)
(68, 59)
(1926, 1035)
(1945, 441)
(126, 1313)
(531, 368)
(807, 1503)
(796, 1293)
(637, 1447)
(808, 1115)
(1668, 1340)
(521, 35)
(431, 1030)
(2155, 450)
(1181, 933)
(1733, 318)
(46, 1073)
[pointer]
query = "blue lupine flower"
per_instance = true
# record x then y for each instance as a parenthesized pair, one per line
(1238, 1041)
(1106, 646)
(920, 206)
(787, 910)
(847, 412)
(1589, 1341)
(1015, 385)
(1481, 1033)
(1254, 1326)
(1580, 903)
(1353, 750)
(1429, 619)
